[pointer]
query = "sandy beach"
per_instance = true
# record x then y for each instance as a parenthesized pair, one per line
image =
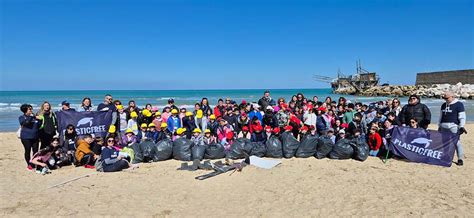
(297, 187)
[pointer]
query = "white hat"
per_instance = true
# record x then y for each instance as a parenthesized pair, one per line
(269, 107)
(342, 131)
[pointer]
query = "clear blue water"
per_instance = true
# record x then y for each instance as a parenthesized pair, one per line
(10, 101)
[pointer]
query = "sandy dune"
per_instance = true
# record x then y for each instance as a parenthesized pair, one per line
(298, 187)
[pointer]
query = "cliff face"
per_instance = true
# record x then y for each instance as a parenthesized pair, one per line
(465, 91)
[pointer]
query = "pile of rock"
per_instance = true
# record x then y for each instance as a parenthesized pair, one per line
(465, 91)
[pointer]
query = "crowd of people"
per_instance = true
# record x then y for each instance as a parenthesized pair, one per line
(223, 123)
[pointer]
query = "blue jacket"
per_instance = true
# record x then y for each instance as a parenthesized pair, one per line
(257, 114)
(153, 136)
(173, 122)
(29, 127)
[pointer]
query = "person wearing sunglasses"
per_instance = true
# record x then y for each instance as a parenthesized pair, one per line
(112, 160)
(415, 109)
(396, 106)
(452, 119)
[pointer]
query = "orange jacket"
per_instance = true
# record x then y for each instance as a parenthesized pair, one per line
(82, 149)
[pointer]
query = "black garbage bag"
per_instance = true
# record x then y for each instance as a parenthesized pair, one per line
(258, 149)
(240, 149)
(274, 147)
(324, 147)
(307, 146)
(148, 150)
(214, 151)
(361, 149)
(164, 150)
(138, 158)
(290, 144)
(342, 150)
(198, 151)
(182, 149)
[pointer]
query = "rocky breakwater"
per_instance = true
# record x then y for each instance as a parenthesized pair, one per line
(464, 91)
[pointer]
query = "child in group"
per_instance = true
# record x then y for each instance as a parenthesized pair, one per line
(163, 132)
(197, 137)
(69, 142)
(174, 123)
(84, 155)
(129, 138)
(122, 118)
(44, 159)
(142, 133)
(189, 124)
(213, 125)
(157, 120)
(165, 114)
(152, 134)
(133, 123)
(179, 133)
(244, 133)
(258, 135)
(330, 134)
(375, 141)
(228, 140)
(200, 120)
(208, 137)
(303, 133)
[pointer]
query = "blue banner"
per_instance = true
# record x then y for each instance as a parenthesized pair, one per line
(94, 122)
(424, 146)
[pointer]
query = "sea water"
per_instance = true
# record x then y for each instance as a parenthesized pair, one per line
(10, 101)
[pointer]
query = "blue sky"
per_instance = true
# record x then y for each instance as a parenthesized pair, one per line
(87, 44)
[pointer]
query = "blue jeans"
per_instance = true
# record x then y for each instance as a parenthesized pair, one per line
(452, 127)
(373, 153)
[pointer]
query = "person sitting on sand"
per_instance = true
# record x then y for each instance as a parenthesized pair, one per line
(44, 159)
(374, 141)
(84, 155)
(228, 140)
(208, 137)
(111, 160)
(197, 137)
(244, 133)
(129, 138)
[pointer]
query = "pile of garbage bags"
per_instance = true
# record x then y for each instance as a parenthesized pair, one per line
(285, 146)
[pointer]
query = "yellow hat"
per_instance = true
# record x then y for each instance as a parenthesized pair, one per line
(112, 129)
(189, 113)
(119, 107)
(212, 117)
(158, 113)
(174, 111)
(207, 131)
(199, 114)
(133, 114)
(151, 125)
(164, 125)
(144, 125)
(180, 131)
(146, 113)
(196, 130)
(128, 131)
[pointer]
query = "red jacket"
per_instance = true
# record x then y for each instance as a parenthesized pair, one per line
(375, 141)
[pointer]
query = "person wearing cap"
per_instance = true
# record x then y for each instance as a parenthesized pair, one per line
(269, 118)
(255, 112)
(303, 133)
(330, 134)
(244, 133)
(142, 133)
(219, 109)
(65, 106)
(132, 123)
(208, 137)
(129, 137)
(189, 124)
(242, 121)
(452, 119)
(122, 119)
(152, 134)
(223, 129)
(212, 125)
(415, 109)
(268, 132)
(266, 100)
(179, 133)
(258, 135)
(340, 135)
(146, 116)
(283, 115)
(200, 120)
(173, 121)
(228, 140)
(197, 137)
(163, 132)
(157, 120)
(171, 104)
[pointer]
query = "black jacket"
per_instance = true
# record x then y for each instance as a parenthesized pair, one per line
(418, 111)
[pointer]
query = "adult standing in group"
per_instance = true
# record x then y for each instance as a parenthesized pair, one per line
(29, 124)
(266, 100)
(108, 105)
(452, 119)
(86, 105)
(415, 109)
(65, 106)
(171, 104)
(132, 107)
(48, 126)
